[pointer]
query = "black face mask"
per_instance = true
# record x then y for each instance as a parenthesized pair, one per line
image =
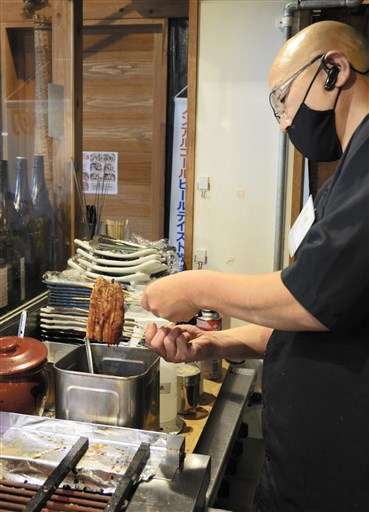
(313, 132)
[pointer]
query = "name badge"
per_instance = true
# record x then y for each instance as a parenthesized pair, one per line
(301, 227)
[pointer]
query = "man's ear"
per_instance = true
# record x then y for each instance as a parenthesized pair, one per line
(338, 59)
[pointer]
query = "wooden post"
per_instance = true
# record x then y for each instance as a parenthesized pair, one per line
(67, 73)
(193, 29)
(159, 128)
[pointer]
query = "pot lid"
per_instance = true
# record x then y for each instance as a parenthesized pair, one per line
(18, 355)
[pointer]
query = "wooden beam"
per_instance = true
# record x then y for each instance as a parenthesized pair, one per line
(119, 9)
(193, 30)
(124, 22)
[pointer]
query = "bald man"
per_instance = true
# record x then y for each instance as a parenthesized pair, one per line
(310, 322)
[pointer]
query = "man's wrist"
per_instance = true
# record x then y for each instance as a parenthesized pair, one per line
(230, 349)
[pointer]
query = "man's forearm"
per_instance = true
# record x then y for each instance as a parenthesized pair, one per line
(244, 342)
(260, 299)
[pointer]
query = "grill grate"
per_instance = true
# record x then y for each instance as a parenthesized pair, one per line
(14, 498)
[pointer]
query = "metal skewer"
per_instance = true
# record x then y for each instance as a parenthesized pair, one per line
(22, 324)
(90, 361)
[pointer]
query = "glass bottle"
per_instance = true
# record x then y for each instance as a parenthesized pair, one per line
(22, 197)
(22, 205)
(10, 262)
(4, 272)
(41, 222)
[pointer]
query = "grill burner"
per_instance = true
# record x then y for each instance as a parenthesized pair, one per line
(30, 498)
(14, 497)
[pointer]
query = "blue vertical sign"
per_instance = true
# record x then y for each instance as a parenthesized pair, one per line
(178, 189)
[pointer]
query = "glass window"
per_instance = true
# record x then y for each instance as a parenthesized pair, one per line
(36, 144)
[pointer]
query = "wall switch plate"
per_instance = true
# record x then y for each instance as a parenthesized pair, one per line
(201, 257)
(203, 184)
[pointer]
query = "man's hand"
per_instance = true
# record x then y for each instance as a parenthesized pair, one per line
(183, 343)
(172, 297)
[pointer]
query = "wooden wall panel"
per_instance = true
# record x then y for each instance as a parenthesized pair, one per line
(124, 73)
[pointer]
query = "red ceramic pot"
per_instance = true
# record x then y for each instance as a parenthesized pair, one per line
(23, 382)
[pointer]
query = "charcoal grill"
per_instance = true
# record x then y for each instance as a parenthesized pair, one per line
(14, 497)
(58, 465)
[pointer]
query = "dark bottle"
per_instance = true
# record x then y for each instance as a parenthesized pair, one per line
(11, 263)
(22, 196)
(41, 222)
(4, 278)
(4, 240)
(23, 206)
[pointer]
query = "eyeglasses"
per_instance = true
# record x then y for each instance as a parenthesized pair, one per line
(278, 95)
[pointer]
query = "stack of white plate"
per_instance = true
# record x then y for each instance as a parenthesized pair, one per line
(125, 262)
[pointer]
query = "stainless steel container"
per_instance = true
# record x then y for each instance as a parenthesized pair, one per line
(188, 388)
(55, 352)
(123, 391)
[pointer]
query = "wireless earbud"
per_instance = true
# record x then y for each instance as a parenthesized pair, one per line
(332, 74)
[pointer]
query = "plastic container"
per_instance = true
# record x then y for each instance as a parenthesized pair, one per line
(168, 393)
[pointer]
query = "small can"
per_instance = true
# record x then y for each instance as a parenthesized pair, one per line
(210, 321)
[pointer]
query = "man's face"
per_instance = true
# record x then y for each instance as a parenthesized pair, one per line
(317, 99)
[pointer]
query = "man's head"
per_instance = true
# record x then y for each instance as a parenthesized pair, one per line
(344, 50)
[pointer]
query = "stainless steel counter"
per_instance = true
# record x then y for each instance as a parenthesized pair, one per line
(223, 424)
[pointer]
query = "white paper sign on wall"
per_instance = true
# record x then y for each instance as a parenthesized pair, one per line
(100, 172)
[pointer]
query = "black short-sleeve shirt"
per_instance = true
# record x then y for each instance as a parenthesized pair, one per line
(316, 384)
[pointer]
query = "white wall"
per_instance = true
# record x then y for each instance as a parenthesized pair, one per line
(237, 136)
